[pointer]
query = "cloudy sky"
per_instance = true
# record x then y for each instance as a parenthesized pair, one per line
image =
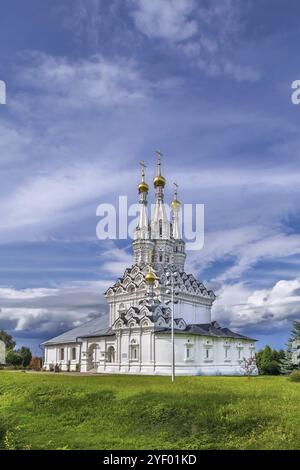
(95, 86)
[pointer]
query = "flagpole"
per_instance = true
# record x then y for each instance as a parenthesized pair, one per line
(172, 333)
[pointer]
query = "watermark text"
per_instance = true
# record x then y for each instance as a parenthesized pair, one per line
(120, 223)
(2, 92)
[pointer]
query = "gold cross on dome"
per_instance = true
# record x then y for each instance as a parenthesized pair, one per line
(159, 154)
(143, 166)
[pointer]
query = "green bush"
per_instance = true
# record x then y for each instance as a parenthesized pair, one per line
(295, 376)
(268, 361)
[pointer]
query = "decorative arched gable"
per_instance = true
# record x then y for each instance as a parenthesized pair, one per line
(181, 324)
(158, 311)
(132, 323)
(135, 271)
(161, 322)
(118, 324)
(130, 312)
(131, 288)
(145, 322)
(127, 281)
(138, 279)
(144, 311)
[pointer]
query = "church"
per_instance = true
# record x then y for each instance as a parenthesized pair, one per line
(159, 316)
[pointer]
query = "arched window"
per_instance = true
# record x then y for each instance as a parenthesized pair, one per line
(111, 354)
(160, 228)
(189, 351)
(134, 350)
(62, 354)
(73, 354)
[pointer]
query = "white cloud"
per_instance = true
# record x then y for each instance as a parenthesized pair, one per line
(87, 20)
(45, 312)
(115, 260)
(203, 32)
(96, 81)
(51, 199)
(265, 309)
(243, 247)
(275, 246)
(18, 141)
(168, 19)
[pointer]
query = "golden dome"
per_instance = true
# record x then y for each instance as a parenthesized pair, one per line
(143, 187)
(175, 204)
(159, 181)
(150, 276)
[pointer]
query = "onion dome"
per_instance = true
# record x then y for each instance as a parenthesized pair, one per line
(159, 180)
(150, 277)
(175, 204)
(143, 186)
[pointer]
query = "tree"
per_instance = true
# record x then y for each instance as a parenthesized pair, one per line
(287, 363)
(13, 358)
(35, 363)
(7, 339)
(249, 366)
(268, 361)
(26, 356)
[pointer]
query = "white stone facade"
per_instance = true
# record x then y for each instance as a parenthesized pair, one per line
(135, 336)
(2, 352)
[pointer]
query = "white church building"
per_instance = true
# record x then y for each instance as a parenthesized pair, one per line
(135, 336)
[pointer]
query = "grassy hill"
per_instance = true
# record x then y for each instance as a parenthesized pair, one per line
(44, 411)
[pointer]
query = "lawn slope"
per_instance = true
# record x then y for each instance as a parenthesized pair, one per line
(43, 411)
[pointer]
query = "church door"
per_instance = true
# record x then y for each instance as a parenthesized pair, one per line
(92, 357)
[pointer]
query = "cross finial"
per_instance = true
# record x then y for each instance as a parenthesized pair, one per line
(176, 186)
(159, 155)
(143, 166)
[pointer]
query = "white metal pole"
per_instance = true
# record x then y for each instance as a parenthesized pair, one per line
(172, 333)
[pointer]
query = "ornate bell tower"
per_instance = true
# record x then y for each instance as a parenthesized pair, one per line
(142, 244)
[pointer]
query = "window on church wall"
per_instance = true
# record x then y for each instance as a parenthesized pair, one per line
(134, 350)
(111, 354)
(62, 354)
(189, 352)
(73, 355)
(160, 257)
(207, 354)
(227, 353)
(160, 228)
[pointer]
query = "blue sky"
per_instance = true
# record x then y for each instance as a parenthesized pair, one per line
(95, 86)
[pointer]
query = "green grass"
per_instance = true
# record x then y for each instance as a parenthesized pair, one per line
(43, 411)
